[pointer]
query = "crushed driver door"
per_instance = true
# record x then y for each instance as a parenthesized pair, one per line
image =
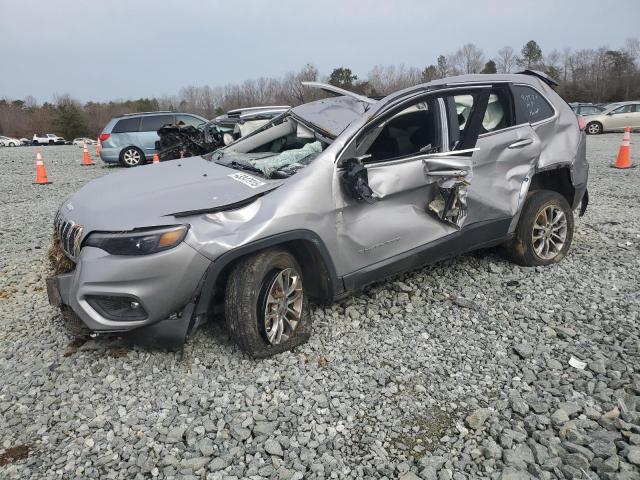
(402, 183)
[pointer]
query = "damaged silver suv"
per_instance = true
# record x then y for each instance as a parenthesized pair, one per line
(321, 201)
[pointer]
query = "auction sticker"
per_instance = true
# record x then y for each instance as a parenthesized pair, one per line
(248, 180)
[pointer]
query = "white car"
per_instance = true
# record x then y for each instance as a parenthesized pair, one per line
(615, 118)
(9, 141)
(82, 141)
(47, 139)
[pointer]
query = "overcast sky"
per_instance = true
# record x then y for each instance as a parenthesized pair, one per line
(118, 49)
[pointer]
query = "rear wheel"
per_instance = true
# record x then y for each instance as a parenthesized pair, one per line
(266, 308)
(594, 128)
(131, 157)
(545, 230)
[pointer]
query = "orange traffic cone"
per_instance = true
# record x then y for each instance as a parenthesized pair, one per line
(98, 147)
(41, 172)
(624, 154)
(156, 159)
(86, 160)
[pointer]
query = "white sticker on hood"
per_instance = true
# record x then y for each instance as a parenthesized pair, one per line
(248, 180)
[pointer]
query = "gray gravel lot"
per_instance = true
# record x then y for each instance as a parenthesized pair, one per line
(459, 370)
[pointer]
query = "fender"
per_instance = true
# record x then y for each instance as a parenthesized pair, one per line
(210, 278)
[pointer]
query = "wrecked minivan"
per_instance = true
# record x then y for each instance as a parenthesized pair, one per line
(322, 201)
(179, 140)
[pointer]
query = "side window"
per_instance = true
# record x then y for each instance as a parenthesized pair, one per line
(497, 115)
(126, 125)
(530, 106)
(152, 123)
(189, 120)
(408, 131)
(622, 109)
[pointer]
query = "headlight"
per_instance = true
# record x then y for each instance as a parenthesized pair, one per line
(140, 242)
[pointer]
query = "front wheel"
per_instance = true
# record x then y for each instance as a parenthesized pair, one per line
(545, 230)
(266, 308)
(594, 128)
(131, 157)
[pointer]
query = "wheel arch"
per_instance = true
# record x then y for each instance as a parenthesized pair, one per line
(318, 271)
(556, 179)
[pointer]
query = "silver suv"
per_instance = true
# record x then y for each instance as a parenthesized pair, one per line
(322, 201)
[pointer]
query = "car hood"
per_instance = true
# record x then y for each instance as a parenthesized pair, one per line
(158, 194)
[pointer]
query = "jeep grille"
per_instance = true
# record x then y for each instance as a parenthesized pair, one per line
(70, 234)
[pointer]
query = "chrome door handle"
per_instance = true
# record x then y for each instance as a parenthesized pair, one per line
(521, 143)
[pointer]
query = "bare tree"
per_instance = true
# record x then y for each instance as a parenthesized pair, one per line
(505, 60)
(469, 58)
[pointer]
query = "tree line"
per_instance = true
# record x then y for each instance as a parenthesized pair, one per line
(586, 75)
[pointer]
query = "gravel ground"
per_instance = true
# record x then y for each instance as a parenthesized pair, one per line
(460, 370)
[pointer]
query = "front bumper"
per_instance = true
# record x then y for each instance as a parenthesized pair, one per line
(163, 283)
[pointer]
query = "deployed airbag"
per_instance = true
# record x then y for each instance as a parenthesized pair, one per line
(287, 159)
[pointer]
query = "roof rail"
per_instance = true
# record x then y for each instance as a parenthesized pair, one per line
(257, 109)
(145, 113)
(338, 91)
(542, 76)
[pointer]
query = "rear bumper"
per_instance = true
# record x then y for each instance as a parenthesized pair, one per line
(164, 284)
(580, 198)
(110, 155)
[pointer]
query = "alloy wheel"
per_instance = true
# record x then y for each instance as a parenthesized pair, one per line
(593, 128)
(283, 306)
(549, 232)
(131, 157)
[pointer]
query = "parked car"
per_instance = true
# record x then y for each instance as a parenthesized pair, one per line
(80, 142)
(178, 140)
(585, 109)
(131, 139)
(47, 139)
(320, 202)
(25, 142)
(9, 141)
(615, 118)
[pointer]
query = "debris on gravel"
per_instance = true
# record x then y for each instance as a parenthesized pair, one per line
(470, 368)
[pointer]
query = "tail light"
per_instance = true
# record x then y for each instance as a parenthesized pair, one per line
(581, 123)
(104, 136)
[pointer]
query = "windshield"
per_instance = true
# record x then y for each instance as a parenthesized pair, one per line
(277, 150)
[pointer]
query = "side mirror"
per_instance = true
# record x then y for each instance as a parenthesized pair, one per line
(610, 113)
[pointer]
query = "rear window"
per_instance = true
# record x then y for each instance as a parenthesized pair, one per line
(531, 107)
(153, 122)
(126, 125)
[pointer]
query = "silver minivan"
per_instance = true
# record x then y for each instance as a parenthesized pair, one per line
(131, 139)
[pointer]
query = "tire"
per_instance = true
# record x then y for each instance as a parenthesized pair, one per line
(131, 157)
(594, 128)
(247, 299)
(549, 247)
(12, 144)
(36, 143)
